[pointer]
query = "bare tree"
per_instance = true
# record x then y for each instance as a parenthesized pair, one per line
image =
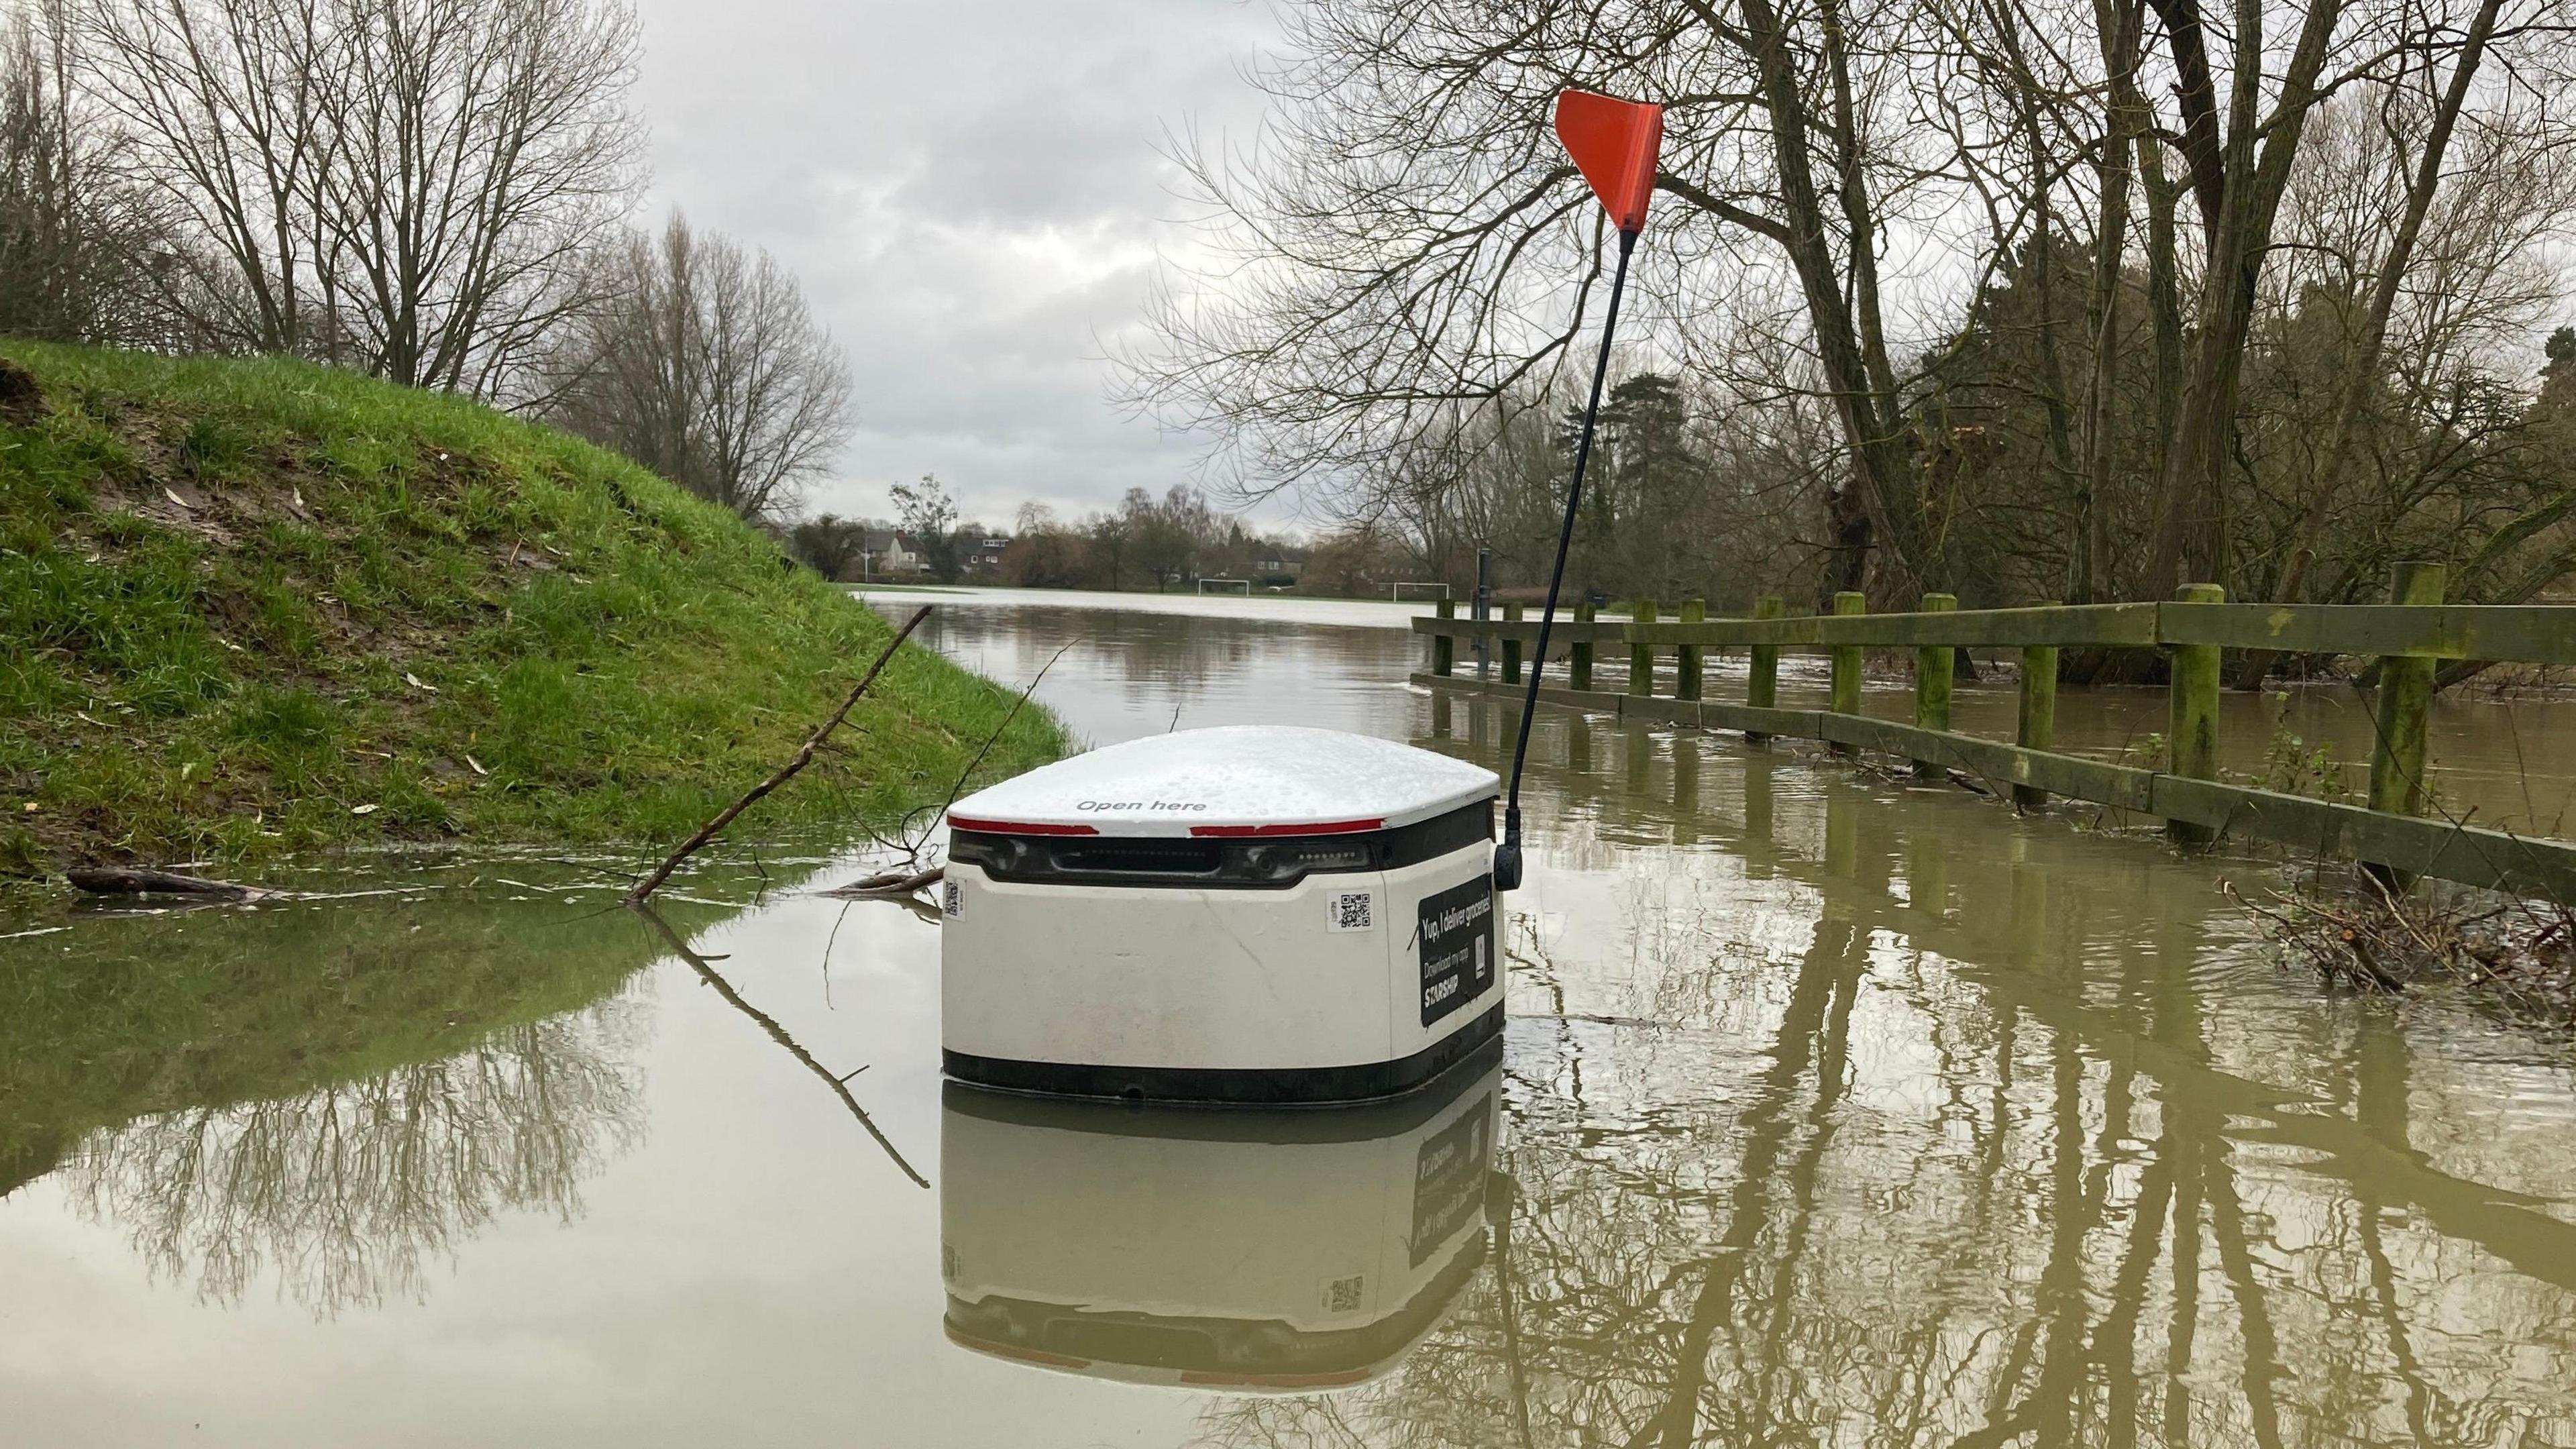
(1110, 545)
(2237, 182)
(704, 363)
(222, 103)
(1168, 537)
(409, 186)
(929, 519)
(483, 148)
(2362, 377)
(1849, 187)
(78, 242)
(1405, 237)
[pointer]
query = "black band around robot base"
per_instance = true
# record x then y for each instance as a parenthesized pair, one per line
(1223, 1086)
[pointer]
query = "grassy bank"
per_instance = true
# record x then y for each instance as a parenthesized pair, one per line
(252, 607)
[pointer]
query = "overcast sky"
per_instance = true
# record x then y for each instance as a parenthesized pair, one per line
(973, 194)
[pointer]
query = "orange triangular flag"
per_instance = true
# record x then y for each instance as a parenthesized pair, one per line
(1614, 144)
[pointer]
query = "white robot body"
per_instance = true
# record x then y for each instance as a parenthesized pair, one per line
(1258, 915)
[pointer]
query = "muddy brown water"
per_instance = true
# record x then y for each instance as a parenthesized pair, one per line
(1833, 1109)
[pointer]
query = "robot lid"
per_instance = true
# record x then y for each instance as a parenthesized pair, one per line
(1232, 780)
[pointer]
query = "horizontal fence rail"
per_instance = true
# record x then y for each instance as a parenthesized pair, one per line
(2391, 835)
(2518, 633)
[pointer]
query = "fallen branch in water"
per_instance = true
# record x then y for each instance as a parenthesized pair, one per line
(135, 881)
(2520, 955)
(803, 757)
(891, 883)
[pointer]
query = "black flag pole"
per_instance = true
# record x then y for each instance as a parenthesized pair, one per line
(1507, 857)
(1614, 143)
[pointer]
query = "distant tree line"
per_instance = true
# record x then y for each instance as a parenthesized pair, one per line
(1163, 543)
(433, 192)
(1148, 542)
(2034, 299)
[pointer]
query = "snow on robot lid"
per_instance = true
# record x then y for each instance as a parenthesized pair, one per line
(1230, 780)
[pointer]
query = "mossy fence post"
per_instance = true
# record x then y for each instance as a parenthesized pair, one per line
(2392, 838)
(1762, 675)
(1934, 667)
(2405, 699)
(1579, 672)
(1845, 695)
(1641, 657)
(1686, 678)
(2191, 731)
(2035, 726)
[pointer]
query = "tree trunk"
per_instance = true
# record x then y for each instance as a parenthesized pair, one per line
(2362, 377)
(2191, 501)
(2118, 23)
(1859, 515)
(2164, 286)
(2052, 368)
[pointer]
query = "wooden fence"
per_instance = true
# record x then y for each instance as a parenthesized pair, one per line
(2391, 834)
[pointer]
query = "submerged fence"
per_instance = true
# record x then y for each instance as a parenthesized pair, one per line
(2391, 835)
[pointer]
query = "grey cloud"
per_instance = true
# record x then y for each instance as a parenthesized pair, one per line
(972, 194)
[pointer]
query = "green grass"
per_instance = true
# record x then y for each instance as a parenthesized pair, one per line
(256, 607)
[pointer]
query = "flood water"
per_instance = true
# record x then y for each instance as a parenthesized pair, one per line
(1832, 1109)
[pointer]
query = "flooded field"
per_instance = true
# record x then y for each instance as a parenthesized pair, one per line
(1832, 1109)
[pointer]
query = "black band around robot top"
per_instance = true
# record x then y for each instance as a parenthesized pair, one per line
(1269, 862)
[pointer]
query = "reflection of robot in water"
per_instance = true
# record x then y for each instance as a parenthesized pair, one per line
(1237, 1250)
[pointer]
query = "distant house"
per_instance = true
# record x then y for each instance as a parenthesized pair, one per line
(1290, 569)
(984, 553)
(887, 553)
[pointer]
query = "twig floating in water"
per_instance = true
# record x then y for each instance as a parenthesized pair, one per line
(803, 757)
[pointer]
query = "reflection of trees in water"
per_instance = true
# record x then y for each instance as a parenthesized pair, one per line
(1935, 1147)
(345, 1191)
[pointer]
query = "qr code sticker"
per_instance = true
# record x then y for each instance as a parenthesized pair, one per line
(1353, 910)
(1342, 1295)
(952, 899)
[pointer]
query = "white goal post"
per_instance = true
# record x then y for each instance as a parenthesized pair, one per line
(1245, 583)
(1395, 592)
